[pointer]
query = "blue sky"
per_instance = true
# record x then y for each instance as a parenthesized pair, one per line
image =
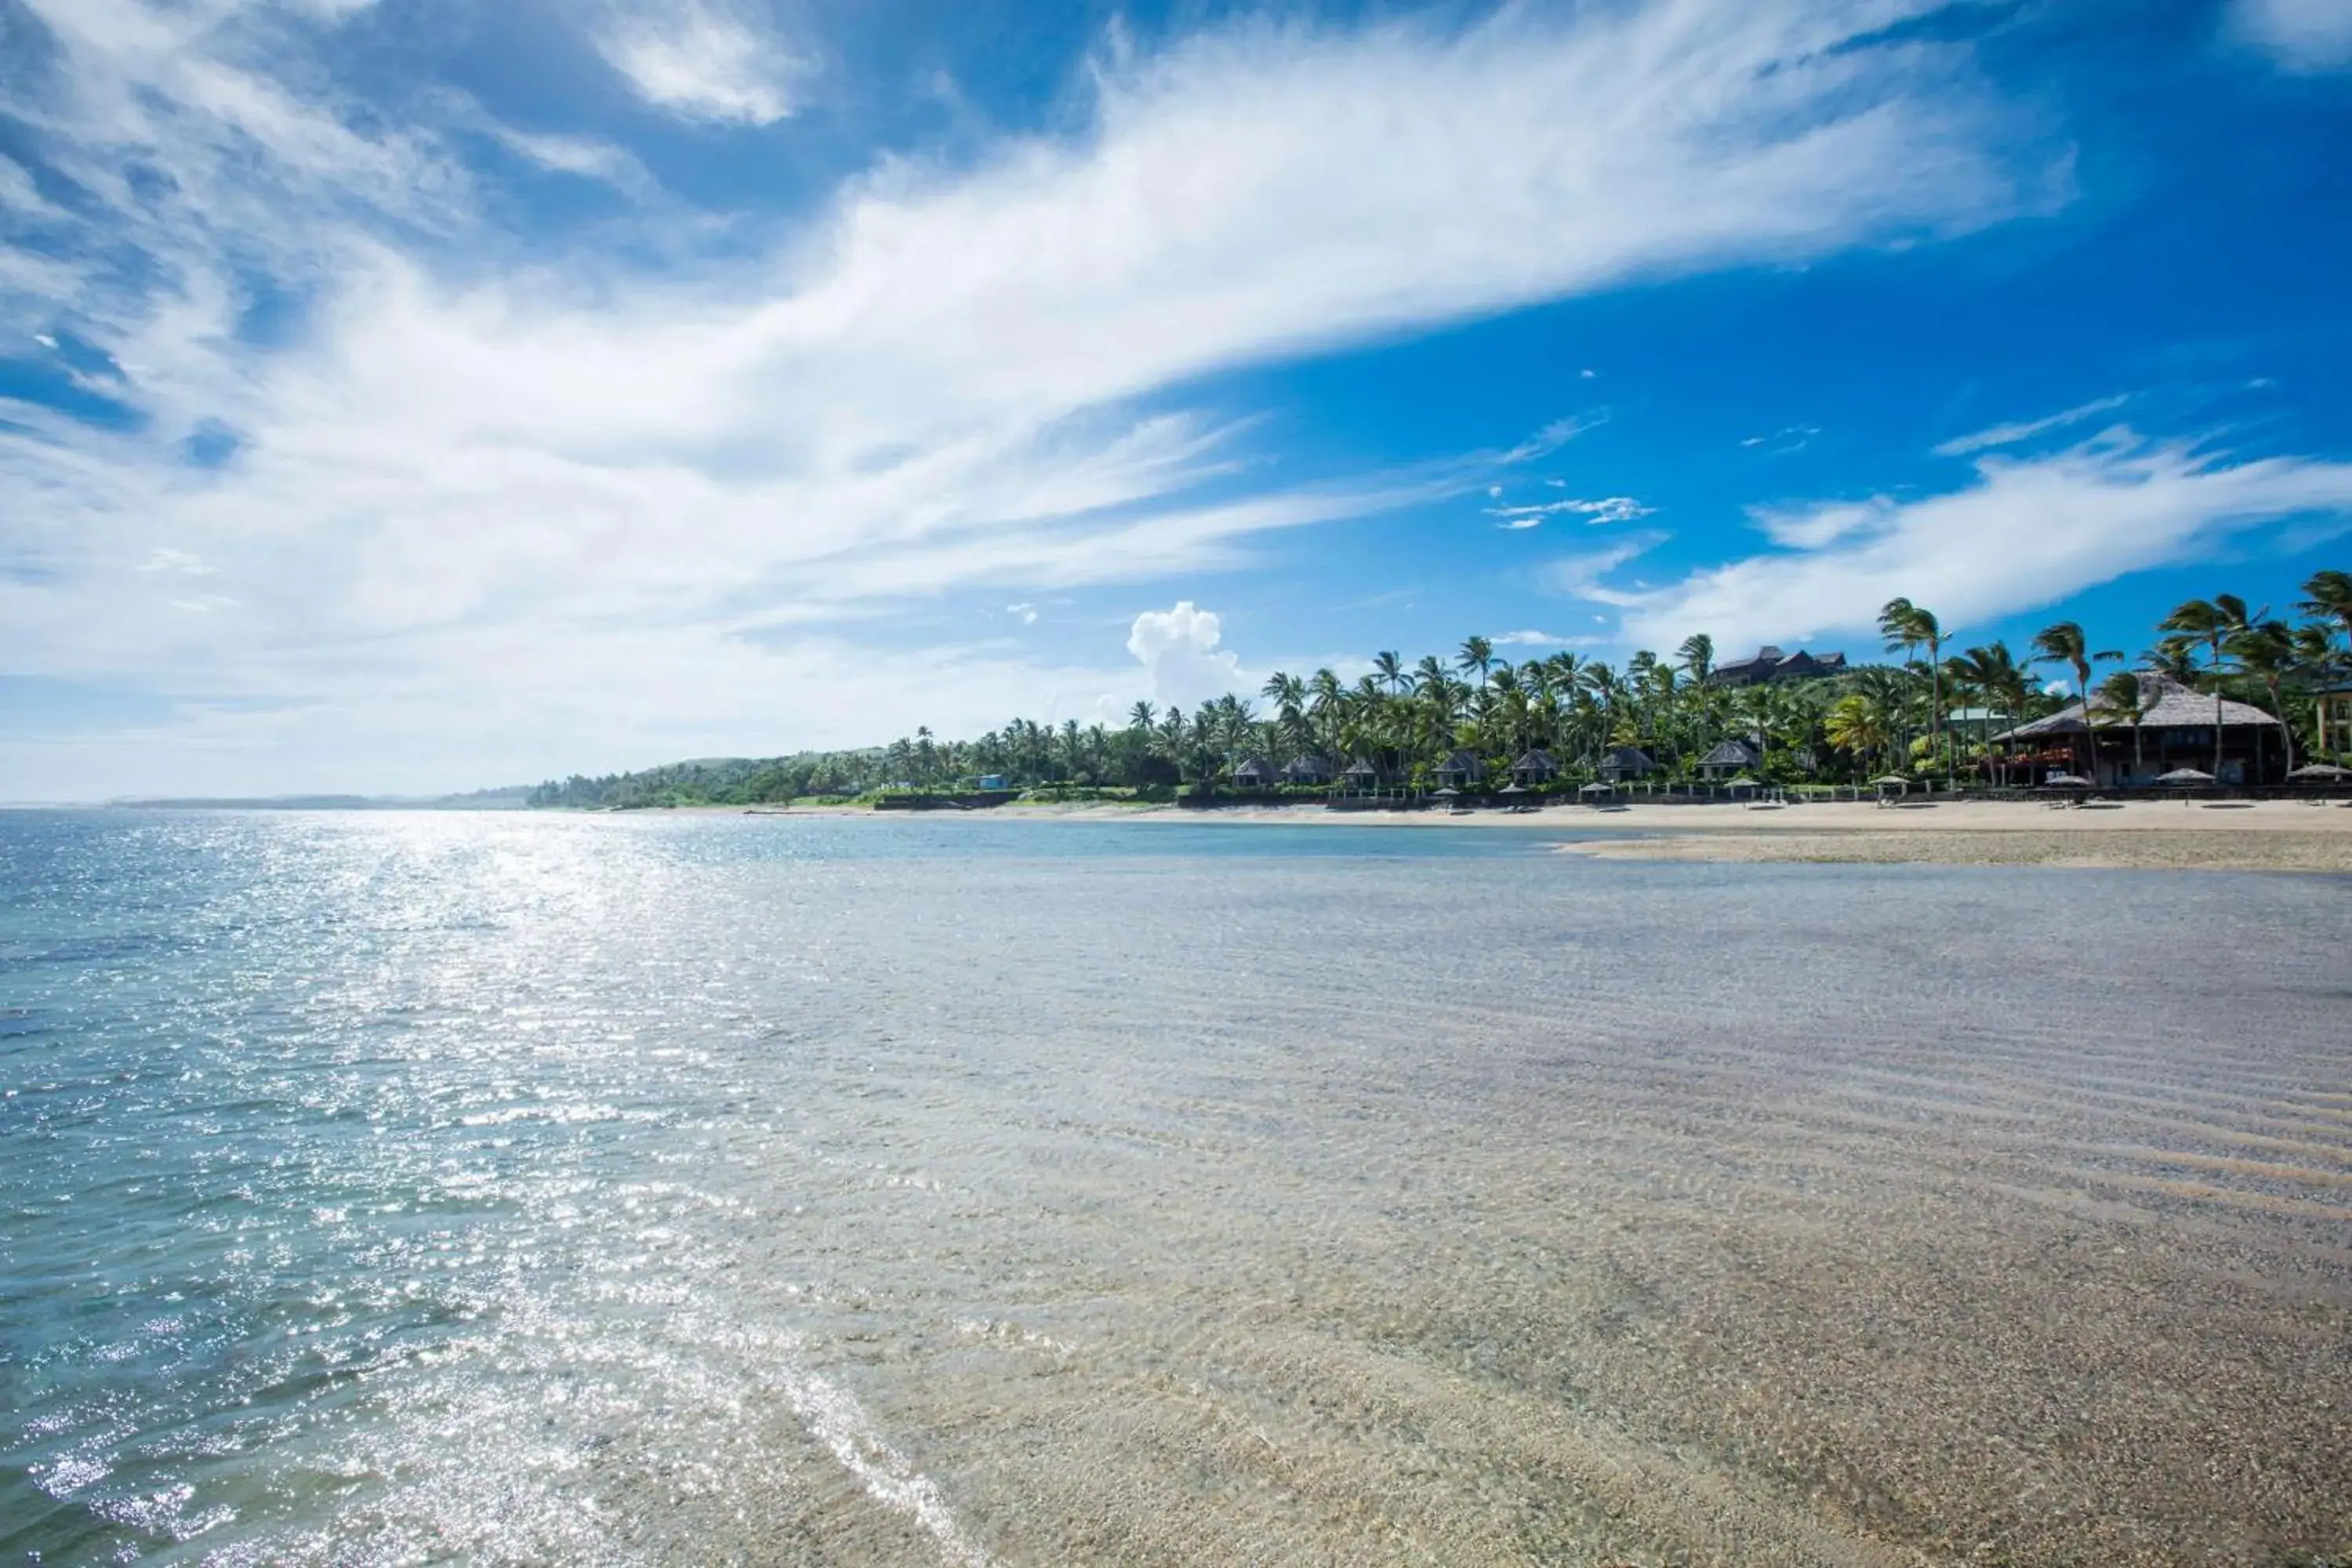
(419, 395)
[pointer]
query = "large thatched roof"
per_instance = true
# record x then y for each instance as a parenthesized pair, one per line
(2171, 706)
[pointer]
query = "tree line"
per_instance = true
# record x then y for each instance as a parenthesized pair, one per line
(1405, 719)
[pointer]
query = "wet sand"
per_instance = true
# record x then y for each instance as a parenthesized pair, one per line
(2183, 849)
(2269, 835)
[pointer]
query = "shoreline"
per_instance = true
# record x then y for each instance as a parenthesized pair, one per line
(2268, 836)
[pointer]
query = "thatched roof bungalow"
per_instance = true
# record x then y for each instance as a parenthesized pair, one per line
(1619, 764)
(1536, 767)
(1459, 769)
(1256, 773)
(1728, 760)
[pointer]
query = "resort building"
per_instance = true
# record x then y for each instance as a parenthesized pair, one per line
(1536, 767)
(1307, 770)
(1770, 664)
(1256, 773)
(1361, 775)
(1461, 770)
(1728, 761)
(1622, 762)
(2175, 731)
(2335, 720)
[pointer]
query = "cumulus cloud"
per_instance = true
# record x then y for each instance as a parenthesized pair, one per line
(700, 62)
(1179, 653)
(1025, 614)
(2027, 532)
(929, 382)
(2299, 35)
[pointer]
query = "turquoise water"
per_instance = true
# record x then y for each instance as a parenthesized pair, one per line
(412, 1187)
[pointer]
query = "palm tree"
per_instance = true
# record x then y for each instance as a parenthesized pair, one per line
(1907, 627)
(2125, 692)
(2329, 597)
(1697, 656)
(1388, 668)
(2267, 651)
(1603, 683)
(2210, 622)
(2063, 643)
(1858, 727)
(1756, 709)
(1994, 672)
(1141, 715)
(1476, 653)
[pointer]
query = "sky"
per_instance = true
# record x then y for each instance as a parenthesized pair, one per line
(410, 395)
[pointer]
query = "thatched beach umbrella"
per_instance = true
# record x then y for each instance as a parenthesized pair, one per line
(2322, 772)
(2065, 781)
(1743, 782)
(1598, 787)
(2185, 778)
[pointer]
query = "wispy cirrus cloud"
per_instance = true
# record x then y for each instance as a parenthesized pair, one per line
(2011, 435)
(2025, 532)
(942, 379)
(1609, 508)
(1583, 575)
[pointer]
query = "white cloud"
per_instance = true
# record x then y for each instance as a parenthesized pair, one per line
(1579, 576)
(179, 561)
(1528, 639)
(588, 157)
(701, 62)
(1179, 652)
(2299, 35)
(933, 385)
(2026, 533)
(1791, 438)
(1555, 435)
(1025, 614)
(2012, 434)
(1610, 509)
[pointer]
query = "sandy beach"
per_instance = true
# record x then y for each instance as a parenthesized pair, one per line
(2268, 836)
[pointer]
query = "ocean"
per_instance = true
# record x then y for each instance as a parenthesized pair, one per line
(390, 1188)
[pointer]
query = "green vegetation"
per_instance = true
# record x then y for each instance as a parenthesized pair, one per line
(1404, 720)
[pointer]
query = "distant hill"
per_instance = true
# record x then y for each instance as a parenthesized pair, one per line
(719, 780)
(510, 798)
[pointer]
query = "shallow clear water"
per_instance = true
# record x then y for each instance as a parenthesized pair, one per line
(403, 1187)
